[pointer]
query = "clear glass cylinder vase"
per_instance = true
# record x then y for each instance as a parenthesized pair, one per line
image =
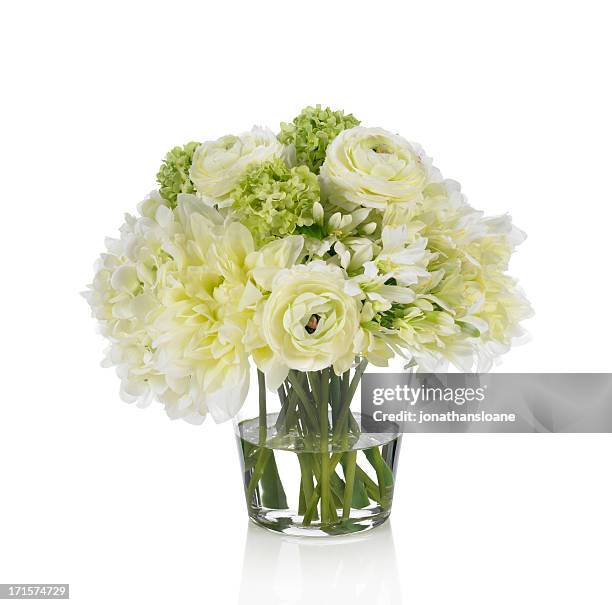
(307, 466)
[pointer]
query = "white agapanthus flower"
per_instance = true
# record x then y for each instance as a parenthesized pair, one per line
(353, 252)
(401, 259)
(374, 286)
(218, 165)
(348, 235)
(374, 168)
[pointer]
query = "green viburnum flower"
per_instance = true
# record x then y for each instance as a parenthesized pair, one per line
(274, 201)
(312, 131)
(173, 175)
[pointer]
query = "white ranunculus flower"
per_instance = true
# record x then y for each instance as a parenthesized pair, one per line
(309, 322)
(218, 165)
(374, 168)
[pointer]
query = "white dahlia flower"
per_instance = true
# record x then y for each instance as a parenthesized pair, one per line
(175, 297)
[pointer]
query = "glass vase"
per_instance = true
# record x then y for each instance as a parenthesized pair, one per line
(308, 468)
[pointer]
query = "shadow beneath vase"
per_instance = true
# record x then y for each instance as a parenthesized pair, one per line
(279, 569)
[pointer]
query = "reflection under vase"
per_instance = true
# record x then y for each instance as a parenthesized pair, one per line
(360, 568)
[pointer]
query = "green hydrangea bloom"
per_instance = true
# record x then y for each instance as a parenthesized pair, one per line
(274, 201)
(173, 176)
(312, 131)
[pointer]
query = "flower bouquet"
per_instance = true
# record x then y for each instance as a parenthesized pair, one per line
(301, 258)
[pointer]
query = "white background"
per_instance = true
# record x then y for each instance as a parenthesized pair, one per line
(512, 99)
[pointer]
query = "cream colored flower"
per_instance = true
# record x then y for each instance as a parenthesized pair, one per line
(374, 342)
(218, 165)
(176, 295)
(264, 264)
(373, 168)
(175, 320)
(309, 322)
(468, 310)
(353, 252)
(123, 297)
(401, 259)
(391, 261)
(374, 287)
(207, 308)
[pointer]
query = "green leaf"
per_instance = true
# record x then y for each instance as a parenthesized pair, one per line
(301, 500)
(342, 527)
(337, 487)
(378, 462)
(315, 230)
(272, 492)
(383, 473)
(359, 498)
(249, 454)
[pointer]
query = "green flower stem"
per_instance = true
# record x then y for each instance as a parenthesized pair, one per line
(286, 417)
(306, 401)
(282, 395)
(315, 378)
(348, 391)
(290, 417)
(263, 416)
(349, 475)
(346, 379)
(370, 486)
(323, 425)
(383, 474)
(311, 508)
(336, 484)
(335, 392)
(263, 454)
(324, 494)
(301, 501)
(375, 462)
(359, 370)
(265, 472)
(350, 458)
(262, 459)
(335, 459)
(308, 428)
(324, 398)
(307, 481)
